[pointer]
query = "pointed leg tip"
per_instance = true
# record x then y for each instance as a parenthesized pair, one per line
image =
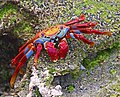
(82, 16)
(11, 83)
(35, 65)
(12, 86)
(13, 63)
(96, 23)
(107, 33)
(92, 44)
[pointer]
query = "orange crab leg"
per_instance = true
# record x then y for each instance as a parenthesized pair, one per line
(77, 20)
(20, 64)
(20, 55)
(63, 48)
(52, 51)
(39, 48)
(30, 41)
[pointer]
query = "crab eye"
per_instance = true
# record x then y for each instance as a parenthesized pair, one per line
(42, 35)
(61, 27)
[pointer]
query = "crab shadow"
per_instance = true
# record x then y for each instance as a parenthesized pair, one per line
(9, 44)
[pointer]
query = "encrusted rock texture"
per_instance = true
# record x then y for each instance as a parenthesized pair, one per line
(85, 72)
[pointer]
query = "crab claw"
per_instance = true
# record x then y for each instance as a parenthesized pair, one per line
(63, 48)
(52, 51)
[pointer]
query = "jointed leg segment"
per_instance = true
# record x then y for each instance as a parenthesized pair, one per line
(81, 37)
(20, 64)
(20, 55)
(38, 51)
(91, 31)
(77, 20)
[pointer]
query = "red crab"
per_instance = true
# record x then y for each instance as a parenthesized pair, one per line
(49, 37)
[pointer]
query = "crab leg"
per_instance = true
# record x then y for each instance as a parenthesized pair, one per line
(30, 41)
(81, 37)
(84, 25)
(63, 48)
(77, 20)
(90, 31)
(20, 64)
(52, 51)
(20, 55)
(39, 48)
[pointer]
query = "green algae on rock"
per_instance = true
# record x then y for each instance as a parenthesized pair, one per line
(100, 56)
(70, 88)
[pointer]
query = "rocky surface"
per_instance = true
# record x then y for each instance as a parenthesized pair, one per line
(20, 20)
(103, 80)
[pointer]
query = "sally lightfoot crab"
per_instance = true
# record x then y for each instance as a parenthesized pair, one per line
(48, 38)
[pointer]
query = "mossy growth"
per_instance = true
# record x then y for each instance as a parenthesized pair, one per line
(22, 25)
(8, 9)
(101, 56)
(113, 71)
(49, 80)
(99, 6)
(76, 73)
(52, 70)
(23, 84)
(36, 91)
(65, 72)
(24, 29)
(114, 95)
(70, 88)
(93, 7)
(116, 87)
